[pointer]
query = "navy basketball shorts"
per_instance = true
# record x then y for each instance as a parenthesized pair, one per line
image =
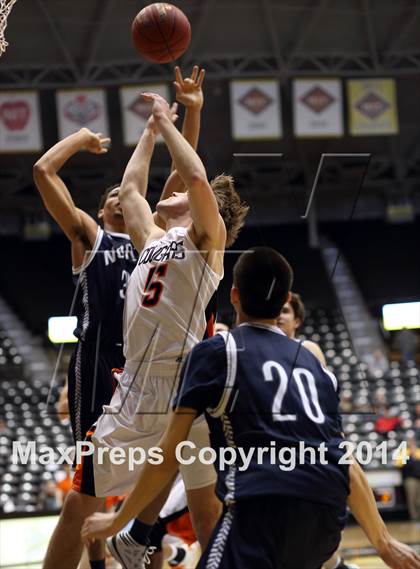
(274, 533)
(90, 385)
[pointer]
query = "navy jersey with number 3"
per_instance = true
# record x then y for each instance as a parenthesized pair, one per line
(261, 390)
(101, 283)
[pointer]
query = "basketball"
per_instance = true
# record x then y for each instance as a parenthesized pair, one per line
(161, 32)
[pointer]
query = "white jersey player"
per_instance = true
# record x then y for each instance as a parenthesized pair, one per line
(178, 271)
(166, 299)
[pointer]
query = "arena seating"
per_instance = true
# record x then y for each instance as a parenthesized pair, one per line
(360, 390)
(27, 414)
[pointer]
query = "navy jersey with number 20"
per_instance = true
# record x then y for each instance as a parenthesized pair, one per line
(269, 396)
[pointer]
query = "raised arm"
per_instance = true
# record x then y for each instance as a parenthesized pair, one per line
(138, 216)
(362, 504)
(137, 213)
(190, 94)
(207, 223)
(75, 223)
(150, 483)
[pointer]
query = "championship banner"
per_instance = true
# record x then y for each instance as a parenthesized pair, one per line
(20, 125)
(372, 106)
(255, 107)
(136, 111)
(317, 107)
(79, 108)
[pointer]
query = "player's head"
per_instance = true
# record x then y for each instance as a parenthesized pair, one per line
(292, 315)
(232, 210)
(262, 279)
(109, 210)
(175, 206)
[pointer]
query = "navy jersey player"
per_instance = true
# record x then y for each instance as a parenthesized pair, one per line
(260, 389)
(103, 259)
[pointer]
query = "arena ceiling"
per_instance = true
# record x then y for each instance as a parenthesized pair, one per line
(70, 43)
(56, 42)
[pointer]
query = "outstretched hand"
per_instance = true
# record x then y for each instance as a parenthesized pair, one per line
(189, 91)
(397, 555)
(93, 142)
(98, 526)
(152, 124)
(160, 107)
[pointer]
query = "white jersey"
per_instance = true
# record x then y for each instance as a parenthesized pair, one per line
(166, 299)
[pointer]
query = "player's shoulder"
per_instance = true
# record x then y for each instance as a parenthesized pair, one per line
(211, 346)
(114, 236)
(315, 350)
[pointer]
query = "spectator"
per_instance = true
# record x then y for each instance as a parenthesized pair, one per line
(411, 477)
(387, 422)
(48, 497)
(405, 341)
(417, 420)
(377, 363)
(4, 429)
(346, 404)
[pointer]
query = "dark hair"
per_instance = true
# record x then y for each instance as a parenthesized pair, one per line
(298, 307)
(105, 195)
(231, 208)
(263, 278)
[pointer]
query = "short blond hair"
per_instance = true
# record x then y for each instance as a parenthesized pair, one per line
(231, 208)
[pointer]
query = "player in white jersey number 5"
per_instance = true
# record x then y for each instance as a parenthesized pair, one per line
(178, 271)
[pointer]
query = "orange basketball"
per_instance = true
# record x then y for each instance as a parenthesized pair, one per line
(161, 32)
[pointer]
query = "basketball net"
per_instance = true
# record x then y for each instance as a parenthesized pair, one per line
(5, 9)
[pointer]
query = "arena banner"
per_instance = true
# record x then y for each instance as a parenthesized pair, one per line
(20, 124)
(317, 108)
(256, 109)
(77, 108)
(136, 111)
(372, 107)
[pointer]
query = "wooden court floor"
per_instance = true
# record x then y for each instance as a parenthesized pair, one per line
(355, 543)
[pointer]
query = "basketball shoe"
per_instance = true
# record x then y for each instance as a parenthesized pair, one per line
(344, 565)
(128, 553)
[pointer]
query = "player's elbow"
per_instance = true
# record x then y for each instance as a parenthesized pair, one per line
(198, 179)
(40, 170)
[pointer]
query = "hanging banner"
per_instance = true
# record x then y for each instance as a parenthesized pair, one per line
(372, 107)
(20, 125)
(136, 111)
(79, 108)
(255, 108)
(317, 107)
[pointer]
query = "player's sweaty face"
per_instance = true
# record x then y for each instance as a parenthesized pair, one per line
(287, 321)
(112, 204)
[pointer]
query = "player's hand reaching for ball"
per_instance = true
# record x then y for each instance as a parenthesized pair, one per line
(397, 555)
(95, 143)
(160, 107)
(189, 91)
(152, 124)
(98, 526)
